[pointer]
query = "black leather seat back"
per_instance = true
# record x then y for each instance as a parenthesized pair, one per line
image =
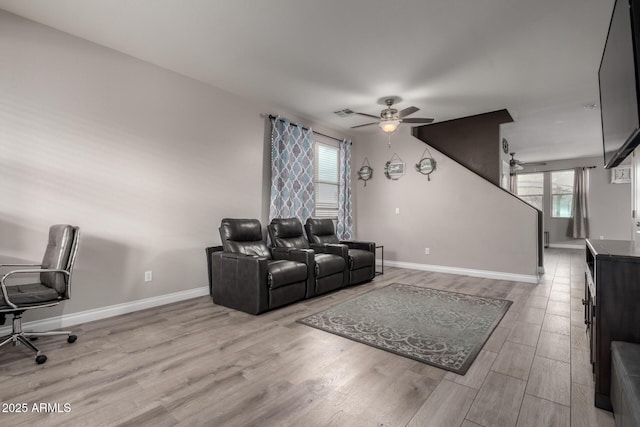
(321, 231)
(243, 236)
(287, 233)
(58, 255)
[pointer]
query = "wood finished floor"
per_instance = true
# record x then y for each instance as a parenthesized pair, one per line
(193, 363)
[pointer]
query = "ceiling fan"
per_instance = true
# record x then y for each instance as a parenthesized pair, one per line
(516, 165)
(390, 118)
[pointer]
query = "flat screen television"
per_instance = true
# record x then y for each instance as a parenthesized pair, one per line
(618, 79)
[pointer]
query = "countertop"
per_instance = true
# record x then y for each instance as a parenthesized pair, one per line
(617, 248)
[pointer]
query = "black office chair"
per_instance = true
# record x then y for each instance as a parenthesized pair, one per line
(246, 275)
(53, 287)
(331, 269)
(362, 259)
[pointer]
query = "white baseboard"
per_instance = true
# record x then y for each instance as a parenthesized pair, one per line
(566, 246)
(462, 271)
(71, 319)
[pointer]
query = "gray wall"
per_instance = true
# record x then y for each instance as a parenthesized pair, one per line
(144, 160)
(147, 162)
(465, 221)
(609, 204)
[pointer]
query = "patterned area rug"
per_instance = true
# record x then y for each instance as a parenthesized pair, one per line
(440, 328)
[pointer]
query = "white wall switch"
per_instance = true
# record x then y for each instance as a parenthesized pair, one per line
(397, 211)
(427, 251)
(148, 276)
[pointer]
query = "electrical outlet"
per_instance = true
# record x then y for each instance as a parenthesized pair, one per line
(601, 237)
(148, 276)
(427, 251)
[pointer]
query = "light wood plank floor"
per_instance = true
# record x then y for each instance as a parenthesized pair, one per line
(193, 363)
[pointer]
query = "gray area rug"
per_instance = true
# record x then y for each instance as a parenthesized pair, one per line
(440, 328)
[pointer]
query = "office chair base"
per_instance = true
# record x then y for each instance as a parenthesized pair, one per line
(18, 336)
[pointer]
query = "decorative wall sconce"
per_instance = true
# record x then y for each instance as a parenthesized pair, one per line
(365, 173)
(426, 165)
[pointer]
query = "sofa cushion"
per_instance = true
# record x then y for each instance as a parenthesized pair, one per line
(287, 233)
(359, 258)
(328, 264)
(330, 239)
(258, 248)
(243, 236)
(283, 273)
(321, 231)
(240, 230)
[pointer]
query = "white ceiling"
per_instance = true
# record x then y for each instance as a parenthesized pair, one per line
(451, 58)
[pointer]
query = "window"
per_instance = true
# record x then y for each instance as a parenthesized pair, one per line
(326, 179)
(530, 188)
(561, 194)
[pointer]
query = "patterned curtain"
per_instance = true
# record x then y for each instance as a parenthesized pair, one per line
(345, 214)
(579, 221)
(292, 187)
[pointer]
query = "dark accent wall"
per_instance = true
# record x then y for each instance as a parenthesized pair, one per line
(472, 141)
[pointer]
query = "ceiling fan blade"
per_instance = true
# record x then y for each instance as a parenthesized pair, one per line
(366, 124)
(534, 164)
(369, 115)
(407, 111)
(417, 120)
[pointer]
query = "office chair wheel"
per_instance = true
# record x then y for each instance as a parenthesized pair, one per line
(72, 338)
(41, 359)
(33, 338)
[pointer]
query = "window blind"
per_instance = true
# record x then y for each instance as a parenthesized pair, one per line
(326, 180)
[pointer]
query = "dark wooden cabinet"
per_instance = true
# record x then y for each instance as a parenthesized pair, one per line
(612, 305)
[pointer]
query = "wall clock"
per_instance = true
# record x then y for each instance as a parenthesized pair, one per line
(505, 146)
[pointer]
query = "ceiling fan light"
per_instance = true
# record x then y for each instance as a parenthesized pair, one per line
(389, 126)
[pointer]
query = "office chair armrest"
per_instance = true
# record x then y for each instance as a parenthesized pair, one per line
(20, 265)
(4, 285)
(35, 270)
(366, 246)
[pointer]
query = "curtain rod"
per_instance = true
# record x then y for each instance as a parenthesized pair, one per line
(558, 170)
(271, 116)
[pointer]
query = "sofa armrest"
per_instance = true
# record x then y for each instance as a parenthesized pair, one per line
(337, 249)
(240, 281)
(318, 248)
(293, 254)
(331, 248)
(209, 251)
(353, 244)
